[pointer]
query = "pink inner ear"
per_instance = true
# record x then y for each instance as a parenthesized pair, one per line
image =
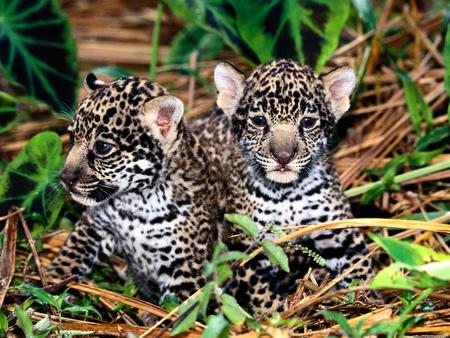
(164, 119)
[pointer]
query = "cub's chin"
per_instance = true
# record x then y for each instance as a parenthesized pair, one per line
(283, 177)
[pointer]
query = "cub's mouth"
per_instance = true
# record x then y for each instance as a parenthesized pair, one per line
(93, 196)
(284, 175)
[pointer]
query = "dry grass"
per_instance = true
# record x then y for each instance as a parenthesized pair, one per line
(379, 130)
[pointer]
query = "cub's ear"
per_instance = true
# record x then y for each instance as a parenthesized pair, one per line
(339, 84)
(229, 84)
(162, 116)
(91, 82)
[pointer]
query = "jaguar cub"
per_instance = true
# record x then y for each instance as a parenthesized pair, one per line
(271, 134)
(148, 188)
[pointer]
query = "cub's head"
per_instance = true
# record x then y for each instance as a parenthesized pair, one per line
(122, 135)
(282, 114)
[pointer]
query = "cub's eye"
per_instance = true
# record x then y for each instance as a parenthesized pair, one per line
(102, 148)
(308, 122)
(259, 121)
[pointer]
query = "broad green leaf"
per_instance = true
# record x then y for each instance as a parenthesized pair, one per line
(447, 66)
(392, 277)
(30, 179)
(276, 254)
(114, 72)
(407, 253)
(217, 327)
(245, 223)
(232, 310)
(194, 38)
(170, 302)
(37, 51)
(24, 321)
(262, 30)
(187, 317)
(365, 13)
(440, 134)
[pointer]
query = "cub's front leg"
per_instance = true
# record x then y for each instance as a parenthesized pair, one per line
(81, 250)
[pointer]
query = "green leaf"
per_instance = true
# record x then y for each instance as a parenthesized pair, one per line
(43, 327)
(447, 66)
(392, 277)
(407, 253)
(204, 299)
(245, 223)
(418, 109)
(341, 320)
(365, 13)
(439, 270)
(194, 38)
(232, 310)
(37, 51)
(217, 327)
(3, 323)
(187, 317)
(82, 309)
(276, 254)
(41, 295)
(8, 118)
(440, 134)
(224, 273)
(24, 321)
(231, 256)
(30, 180)
(114, 72)
(421, 158)
(170, 302)
(253, 30)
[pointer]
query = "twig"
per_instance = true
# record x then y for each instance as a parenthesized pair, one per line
(8, 254)
(30, 241)
(10, 214)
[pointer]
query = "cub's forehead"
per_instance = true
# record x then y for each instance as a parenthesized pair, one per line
(285, 89)
(117, 101)
(284, 78)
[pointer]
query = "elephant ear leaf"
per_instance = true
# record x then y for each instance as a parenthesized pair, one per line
(37, 51)
(29, 180)
(263, 30)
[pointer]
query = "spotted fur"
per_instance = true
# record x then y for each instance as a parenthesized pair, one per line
(280, 172)
(149, 191)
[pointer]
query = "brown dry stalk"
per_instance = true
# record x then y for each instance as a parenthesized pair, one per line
(7, 261)
(36, 258)
(355, 223)
(136, 303)
(312, 299)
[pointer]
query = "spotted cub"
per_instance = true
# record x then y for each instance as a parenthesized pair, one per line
(148, 188)
(271, 134)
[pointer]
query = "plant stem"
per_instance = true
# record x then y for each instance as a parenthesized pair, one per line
(413, 174)
(419, 299)
(155, 41)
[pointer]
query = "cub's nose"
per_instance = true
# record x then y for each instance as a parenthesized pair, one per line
(69, 177)
(284, 157)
